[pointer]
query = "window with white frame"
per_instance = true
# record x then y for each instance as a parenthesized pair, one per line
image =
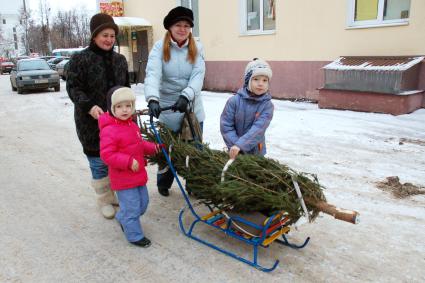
(364, 13)
(193, 5)
(258, 16)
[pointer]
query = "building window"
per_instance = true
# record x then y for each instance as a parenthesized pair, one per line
(14, 29)
(258, 16)
(15, 40)
(4, 21)
(194, 6)
(367, 13)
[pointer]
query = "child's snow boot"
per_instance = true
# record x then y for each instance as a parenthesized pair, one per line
(105, 197)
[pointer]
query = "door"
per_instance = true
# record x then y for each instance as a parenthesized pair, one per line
(140, 55)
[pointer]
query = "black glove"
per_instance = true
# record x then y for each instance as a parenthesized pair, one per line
(181, 104)
(154, 108)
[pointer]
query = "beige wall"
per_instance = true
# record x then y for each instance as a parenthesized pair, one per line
(306, 30)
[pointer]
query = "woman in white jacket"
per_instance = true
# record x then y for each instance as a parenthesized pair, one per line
(174, 77)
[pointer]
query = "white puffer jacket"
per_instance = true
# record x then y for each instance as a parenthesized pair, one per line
(166, 81)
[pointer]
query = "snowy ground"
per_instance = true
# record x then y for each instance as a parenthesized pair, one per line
(350, 151)
(52, 232)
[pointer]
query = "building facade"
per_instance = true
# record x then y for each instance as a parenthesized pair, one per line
(11, 29)
(297, 37)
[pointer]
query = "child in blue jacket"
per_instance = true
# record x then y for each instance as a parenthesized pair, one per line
(249, 112)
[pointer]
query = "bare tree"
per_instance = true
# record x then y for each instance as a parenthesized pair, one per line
(36, 42)
(44, 13)
(68, 29)
(23, 19)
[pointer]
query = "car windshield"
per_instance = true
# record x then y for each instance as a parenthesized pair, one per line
(33, 65)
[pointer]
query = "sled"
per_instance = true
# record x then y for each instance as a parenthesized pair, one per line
(255, 230)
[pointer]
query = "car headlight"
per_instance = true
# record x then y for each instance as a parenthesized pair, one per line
(25, 78)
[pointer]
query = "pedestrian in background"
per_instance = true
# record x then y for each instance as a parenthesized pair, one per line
(92, 72)
(174, 77)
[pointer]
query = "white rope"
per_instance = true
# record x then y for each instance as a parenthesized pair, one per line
(187, 166)
(225, 168)
(300, 197)
(166, 168)
(187, 161)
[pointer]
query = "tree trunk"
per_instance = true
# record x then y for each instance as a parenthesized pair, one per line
(338, 213)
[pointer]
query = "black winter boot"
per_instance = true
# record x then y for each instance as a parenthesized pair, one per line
(144, 242)
(163, 191)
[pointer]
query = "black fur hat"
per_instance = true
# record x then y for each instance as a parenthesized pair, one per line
(100, 22)
(179, 13)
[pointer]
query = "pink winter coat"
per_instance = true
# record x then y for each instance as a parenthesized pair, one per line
(120, 143)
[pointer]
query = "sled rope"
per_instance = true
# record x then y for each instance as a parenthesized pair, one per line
(225, 168)
(300, 197)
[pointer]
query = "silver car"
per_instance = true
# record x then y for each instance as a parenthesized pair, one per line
(33, 74)
(60, 68)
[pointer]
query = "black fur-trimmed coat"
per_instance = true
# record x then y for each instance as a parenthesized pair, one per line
(91, 73)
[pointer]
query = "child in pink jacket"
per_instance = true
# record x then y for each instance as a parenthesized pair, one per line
(123, 149)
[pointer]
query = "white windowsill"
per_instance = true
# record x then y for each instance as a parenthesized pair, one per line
(377, 25)
(249, 33)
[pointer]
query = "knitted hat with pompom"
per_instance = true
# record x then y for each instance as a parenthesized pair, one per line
(256, 67)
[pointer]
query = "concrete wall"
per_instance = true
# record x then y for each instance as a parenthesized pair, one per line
(291, 79)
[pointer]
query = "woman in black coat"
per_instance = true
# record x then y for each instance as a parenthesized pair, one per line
(91, 73)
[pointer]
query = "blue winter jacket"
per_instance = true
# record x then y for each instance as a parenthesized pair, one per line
(166, 81)
(244, 121)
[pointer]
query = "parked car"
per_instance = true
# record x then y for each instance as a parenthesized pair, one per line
(52, 62)
(65, 71)
(46, 57)
(16, 59)
(6, 67)
(33, 74)
(60, 68)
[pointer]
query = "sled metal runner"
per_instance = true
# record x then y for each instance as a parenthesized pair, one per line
(273, 228)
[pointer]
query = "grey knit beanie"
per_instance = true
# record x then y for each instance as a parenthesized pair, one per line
(256, 67)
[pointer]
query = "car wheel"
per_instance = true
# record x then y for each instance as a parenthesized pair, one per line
(57, 88)
(20, 90)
